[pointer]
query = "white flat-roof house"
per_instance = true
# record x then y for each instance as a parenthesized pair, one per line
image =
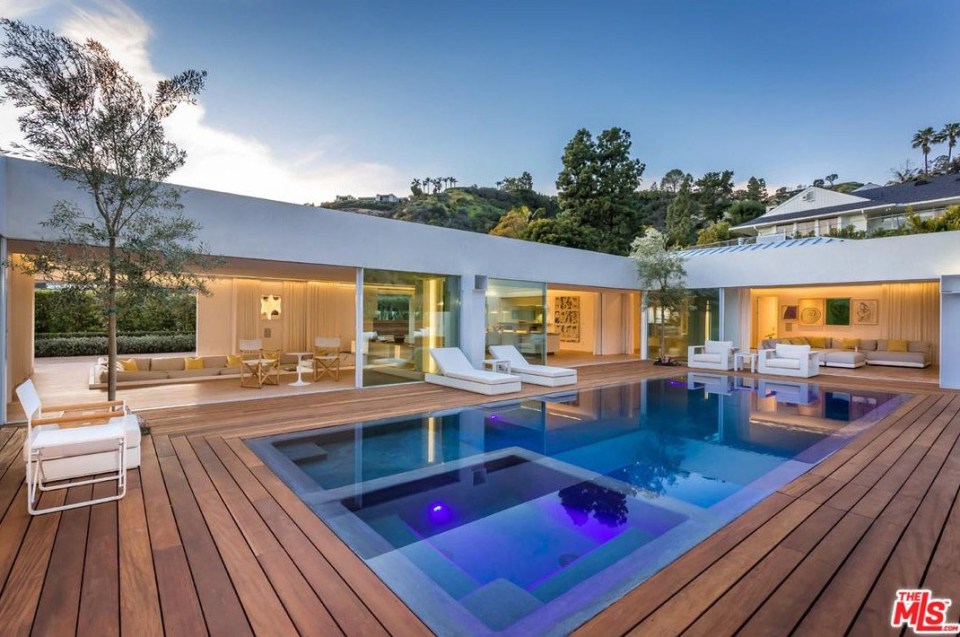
(819, 211)
(390, 290)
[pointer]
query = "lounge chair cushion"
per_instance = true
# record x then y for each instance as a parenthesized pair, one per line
(543, 370)
(717, 347)
(488, 378)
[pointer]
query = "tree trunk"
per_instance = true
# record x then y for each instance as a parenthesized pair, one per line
(663, 335)
(112, 322)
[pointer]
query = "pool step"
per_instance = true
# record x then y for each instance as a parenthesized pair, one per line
(500, 603)
(304, 452)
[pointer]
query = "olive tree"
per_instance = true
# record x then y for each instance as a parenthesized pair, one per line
(662, 278)
(89, 120)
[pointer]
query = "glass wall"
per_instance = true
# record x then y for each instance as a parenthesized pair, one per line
(695, 321)
(404, 315)
(515, 316)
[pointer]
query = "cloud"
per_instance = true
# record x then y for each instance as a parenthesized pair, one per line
(217, 159)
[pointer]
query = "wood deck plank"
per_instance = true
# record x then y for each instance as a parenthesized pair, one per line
(209, 538)
(59, 604)
(222, 610)
(267, 580)
(100, 598)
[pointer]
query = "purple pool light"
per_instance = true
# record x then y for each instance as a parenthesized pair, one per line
(439, 513)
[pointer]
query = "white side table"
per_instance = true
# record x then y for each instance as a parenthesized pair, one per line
(740, 359)
(497, 365)
(300, 356)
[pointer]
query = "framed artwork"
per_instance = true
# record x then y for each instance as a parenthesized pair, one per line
(566, 318)
(270, 306)
(811, 311)
(788, 312)
(838, 312)
(864, 312)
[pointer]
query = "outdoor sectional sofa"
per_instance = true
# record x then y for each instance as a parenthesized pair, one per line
(164, 370)
(845, 352)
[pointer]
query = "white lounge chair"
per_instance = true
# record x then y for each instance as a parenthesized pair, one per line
(789, 360)
(534, 374)
(457, 372)
(59, 455)
(711, 355)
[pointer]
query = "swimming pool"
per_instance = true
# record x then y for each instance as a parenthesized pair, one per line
(527, 517)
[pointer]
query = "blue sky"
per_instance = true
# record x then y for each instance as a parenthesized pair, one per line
(360, 96)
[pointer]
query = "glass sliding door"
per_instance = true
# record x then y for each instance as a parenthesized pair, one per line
(404, 315)
(695, 321)
(515, 316)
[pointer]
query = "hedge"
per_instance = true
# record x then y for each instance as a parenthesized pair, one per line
(48, 335)
(126, 344)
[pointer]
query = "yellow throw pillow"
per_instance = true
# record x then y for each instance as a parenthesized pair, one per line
(272, 354)
(129, 365)
(897, 346)
(817, 342)
(851, 343)
(234, 361)
(191, 362)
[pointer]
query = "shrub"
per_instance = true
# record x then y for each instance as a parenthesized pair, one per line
(126, 344)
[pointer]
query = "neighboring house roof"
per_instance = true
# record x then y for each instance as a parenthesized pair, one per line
(912, 192)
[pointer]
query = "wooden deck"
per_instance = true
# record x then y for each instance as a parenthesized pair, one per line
(209, 541)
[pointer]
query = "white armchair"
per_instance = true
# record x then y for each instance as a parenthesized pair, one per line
(711, 355)
(789, 360)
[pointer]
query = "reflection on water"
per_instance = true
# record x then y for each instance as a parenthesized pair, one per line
(608, 507)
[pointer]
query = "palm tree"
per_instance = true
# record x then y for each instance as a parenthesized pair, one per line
(453, 182)
(925, 138)
(950, 133)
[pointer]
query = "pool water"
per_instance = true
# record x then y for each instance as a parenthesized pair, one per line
(527, 517)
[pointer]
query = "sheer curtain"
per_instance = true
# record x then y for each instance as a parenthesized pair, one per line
(330, 311)
(294, 317)
(248, 309)
(911, 311)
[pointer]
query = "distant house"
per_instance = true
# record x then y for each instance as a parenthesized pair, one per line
(345, 198)
(818, 211)
(391, 198)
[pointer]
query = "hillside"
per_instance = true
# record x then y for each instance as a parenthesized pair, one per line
(469, 208)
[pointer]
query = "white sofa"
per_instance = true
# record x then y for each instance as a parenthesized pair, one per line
(789, 360)
(711, 355)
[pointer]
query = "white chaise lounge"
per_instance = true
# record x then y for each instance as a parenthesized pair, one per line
(107, 442)
(789, 360)
(711, 355)
(457, 372)
(534, 374)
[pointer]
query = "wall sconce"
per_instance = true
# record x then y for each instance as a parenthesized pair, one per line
(270, 306)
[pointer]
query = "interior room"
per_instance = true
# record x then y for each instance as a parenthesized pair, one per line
(591, 324)
(864, 317)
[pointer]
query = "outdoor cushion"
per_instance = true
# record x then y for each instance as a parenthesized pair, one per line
(706, 358)
(194, 373)
(843, 356)
(487, 378)
(784, 363)
(123, 377)
(897, 345)
(215, 361)
(818, 342)
(768, 343)
(717, 347)
(545, 370)
(166, 364)
(850, 343)
(913, 358)
(234, 361)
(792, 351)
(868, 344)
(129, 365)
(918, 346)
(193, 362)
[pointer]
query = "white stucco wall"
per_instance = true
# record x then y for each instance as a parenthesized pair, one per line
(261, 229)
(921, 257)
